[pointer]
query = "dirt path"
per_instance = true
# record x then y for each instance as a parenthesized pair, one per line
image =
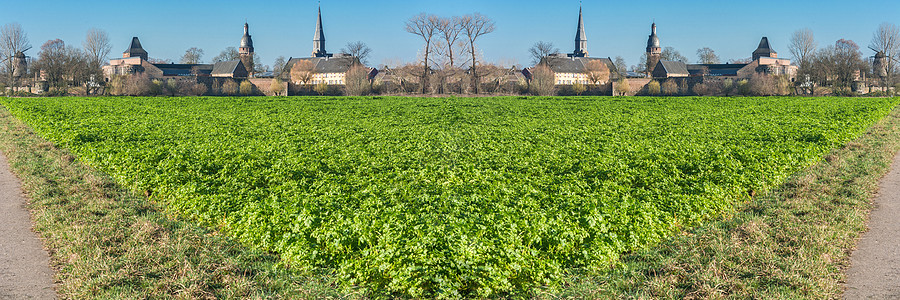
(24, 264)
(875, 264)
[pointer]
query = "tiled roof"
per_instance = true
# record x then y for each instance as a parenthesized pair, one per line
(324, 64)
(673, 67)
(226, 67)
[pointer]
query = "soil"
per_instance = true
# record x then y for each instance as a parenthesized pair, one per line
(24, 263)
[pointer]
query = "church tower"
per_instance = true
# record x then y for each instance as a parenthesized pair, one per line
(653, 50)
(580, 38)
(319, 39)
(246, 50)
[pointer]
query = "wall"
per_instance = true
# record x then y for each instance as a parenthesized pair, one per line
(264, 85)
(635, 85)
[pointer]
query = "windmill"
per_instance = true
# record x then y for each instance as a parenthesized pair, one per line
(20, 63)
(880, 65)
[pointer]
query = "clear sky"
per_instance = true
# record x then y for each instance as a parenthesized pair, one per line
(614, 28)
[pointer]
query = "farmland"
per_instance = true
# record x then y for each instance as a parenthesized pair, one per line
(449, 197)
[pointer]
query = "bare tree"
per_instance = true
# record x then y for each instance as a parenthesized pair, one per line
(449, 30)
(621, 66)
(302, 71)
(597, 71)
(669, 53)
(887, 40)
(229, 54)
(192, 56)
(12, 40)
(278, 66)
(473, 27)
(356, 81)
(53, 60)
(97, 46)
(543, 81)
(359, 50)
(838, 65)
(540, 50)
(707, 56)
(425, 26)
(803, 46)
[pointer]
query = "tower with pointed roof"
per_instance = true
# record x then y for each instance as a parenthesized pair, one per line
(654, 51)
(246, 49)
(135, 50)
(764, 50)
(319, 39)
(580, 38)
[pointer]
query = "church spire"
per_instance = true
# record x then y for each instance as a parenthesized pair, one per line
(580, 38)
(319, 38)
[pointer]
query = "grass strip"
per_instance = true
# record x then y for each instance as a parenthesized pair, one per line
(793, 242)
(106, 242)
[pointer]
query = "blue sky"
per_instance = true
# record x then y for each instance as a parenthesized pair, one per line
(614, 28)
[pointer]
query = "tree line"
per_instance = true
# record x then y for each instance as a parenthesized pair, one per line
(450, 61)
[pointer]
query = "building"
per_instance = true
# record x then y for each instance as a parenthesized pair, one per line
(654, 51)
(670, 68)
(135, 60)
(246, 51)
(578, 67)
(580, 38)
(765, 61)
(321, 67)
(230, 69)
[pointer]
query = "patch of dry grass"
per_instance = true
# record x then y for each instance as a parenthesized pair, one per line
(106, 242)
(793, 242)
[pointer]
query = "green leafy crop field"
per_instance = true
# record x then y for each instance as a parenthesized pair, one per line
(458, 197)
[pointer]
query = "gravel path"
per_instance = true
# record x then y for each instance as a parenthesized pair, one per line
(24, 264)
(875, 264)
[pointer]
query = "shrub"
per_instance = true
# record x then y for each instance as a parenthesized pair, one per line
(356, 81)
(321, 88)
(230, 87)
(246, 88)
(277, 87)
(670, 88)
(701, 89)
(578, 88)
(743, 87)
(762, 85)
(543, 81)
(622, 87)
(653, 88)
(193, 89)
(727, 86)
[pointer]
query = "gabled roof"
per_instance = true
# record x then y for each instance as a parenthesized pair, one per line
(673, 67)
(339, 64)
(226, 67)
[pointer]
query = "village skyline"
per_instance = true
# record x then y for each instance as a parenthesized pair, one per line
(612, 29)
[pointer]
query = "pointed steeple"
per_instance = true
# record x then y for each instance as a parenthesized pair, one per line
(764, 50)
(135, 49)
(580, 38)
(319, 38)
